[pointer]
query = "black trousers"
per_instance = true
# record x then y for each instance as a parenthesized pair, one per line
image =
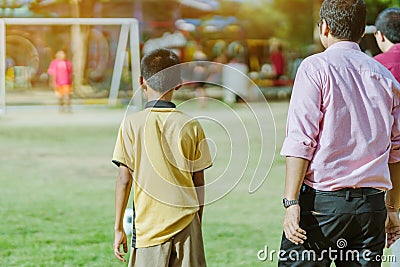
(345, 226)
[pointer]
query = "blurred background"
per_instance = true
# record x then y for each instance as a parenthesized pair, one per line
(56, 177)
(268, 37)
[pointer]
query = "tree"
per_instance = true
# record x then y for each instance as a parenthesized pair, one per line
(260, 20)
(376, 6)
(298, 19)
(79, 38)
(79, 35)
(301, 16)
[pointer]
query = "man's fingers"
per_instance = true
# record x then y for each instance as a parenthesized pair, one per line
(291, 226)
(295, 234)
(300, 233)
(297, 238)
(296, 230)
(289, 229)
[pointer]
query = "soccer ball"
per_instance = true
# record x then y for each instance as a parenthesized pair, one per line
(128, 221)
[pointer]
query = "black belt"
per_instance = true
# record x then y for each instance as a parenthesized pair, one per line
(347, 192)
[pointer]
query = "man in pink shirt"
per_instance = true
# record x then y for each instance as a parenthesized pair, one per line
(342, 150)
(60, 71)
(388, 39)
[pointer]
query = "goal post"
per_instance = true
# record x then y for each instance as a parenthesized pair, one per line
(129, 28)
(2, 67)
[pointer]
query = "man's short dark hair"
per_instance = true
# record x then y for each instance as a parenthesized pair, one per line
(158, 71)
(388, 23)
(346, 18)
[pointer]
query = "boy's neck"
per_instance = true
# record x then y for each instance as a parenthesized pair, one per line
(154, 95)
(159, 98)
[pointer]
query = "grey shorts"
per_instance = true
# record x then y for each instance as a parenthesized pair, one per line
(185, 249)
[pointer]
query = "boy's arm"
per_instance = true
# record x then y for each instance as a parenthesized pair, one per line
(122, 191)
(393, 195)
(393, 205)
(198, 180)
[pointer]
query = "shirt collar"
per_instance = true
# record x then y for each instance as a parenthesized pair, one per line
(345, 45)
(159, 104)
(395, 47)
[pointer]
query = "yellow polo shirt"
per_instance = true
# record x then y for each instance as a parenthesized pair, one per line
(163, 147)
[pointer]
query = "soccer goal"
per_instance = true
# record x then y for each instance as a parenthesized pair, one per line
(129, 31)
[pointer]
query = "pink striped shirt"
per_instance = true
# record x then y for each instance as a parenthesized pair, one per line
(344, 118)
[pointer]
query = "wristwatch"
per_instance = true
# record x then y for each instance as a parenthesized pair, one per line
(287, 203)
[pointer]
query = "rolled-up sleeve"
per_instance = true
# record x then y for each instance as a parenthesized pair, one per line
(202, 157)
(394, 155)
(304, 116)
(123, 151)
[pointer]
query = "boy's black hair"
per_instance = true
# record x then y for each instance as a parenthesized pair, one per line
(388, 22)
(346, 18)
(156, 69)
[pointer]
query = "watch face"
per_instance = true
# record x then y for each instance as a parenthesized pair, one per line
(287, 203)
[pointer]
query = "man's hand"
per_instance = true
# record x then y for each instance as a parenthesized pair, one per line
(392, 226)
(291, 227)
(120, 239)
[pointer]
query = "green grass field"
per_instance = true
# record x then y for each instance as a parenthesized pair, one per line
(57, 193)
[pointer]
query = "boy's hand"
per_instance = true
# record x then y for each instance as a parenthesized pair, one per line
(120, 239)
(392, 226)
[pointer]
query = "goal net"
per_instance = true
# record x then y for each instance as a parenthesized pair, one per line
(108, 66)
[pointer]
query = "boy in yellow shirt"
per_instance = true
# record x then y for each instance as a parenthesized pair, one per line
(163, 152)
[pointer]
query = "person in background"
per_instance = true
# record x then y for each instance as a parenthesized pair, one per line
(387, 36)
(342, 150)
(200, 74)
(277, 60)
(60, 74)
